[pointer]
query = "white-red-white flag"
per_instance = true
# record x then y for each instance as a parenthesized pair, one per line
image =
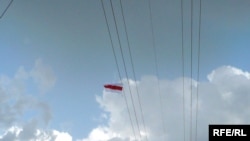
(113, 87)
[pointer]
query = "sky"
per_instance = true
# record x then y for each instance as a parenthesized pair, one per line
(56, 55)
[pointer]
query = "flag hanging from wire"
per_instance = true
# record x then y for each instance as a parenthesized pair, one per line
(113, 87)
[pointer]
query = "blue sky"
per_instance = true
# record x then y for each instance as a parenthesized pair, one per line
(58, 54)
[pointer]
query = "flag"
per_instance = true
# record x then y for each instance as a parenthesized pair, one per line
(113, 87)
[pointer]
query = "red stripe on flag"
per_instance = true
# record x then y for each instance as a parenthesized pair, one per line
(113, 87)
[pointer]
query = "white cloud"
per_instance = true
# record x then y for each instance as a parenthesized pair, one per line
(15, 102)
(100, 134)
(15, 133)
(222, 100)
(43, 76)
(62, 136)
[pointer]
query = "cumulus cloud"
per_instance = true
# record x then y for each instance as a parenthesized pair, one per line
(30, 133)
(43, 76)
(223, 99)
(14, 100)
(62, 136)
(16, 104)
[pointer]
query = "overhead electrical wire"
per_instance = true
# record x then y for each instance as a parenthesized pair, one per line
(183, 83)
(125, 69)
(131, 59)
(198, 74)
(156, 67)
(5, 10)
(112, 45)
(191, 67)
(157, 72)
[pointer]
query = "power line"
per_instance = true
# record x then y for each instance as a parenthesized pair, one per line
(131, 59)
(112, 44)
(191, 94)
(156, 67)
(5, 10)
(125, 68)
(191, 59)
(183, 91)
(198, 75)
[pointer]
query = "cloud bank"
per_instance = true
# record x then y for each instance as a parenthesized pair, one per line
(23, 117)
(159, 112)
(223, 99)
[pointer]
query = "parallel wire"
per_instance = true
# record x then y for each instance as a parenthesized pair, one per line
(183, 91)
(112, 44)
(198, 75)
(191, 93)
(5, 10)
(125, 69)
(156, 66)
(131, 59)
(197, 92)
